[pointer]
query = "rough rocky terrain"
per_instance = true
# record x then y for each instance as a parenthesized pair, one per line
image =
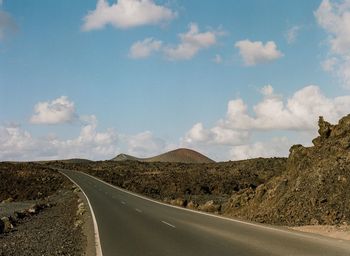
(314, 189)
(182, 184)
(39, 212)
(28, 181)
(311, 187)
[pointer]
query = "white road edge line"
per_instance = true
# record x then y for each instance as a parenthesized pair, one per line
(97, 236)
(207, 214)
(166, 223)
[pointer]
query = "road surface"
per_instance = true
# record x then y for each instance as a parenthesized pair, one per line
(129, 224)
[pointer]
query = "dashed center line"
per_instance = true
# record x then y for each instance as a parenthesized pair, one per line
(122, 202)
(166, 223)
(138, 210)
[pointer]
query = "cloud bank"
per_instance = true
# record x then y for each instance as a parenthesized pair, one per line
(17, 143)
(243, 132)
(239, 131)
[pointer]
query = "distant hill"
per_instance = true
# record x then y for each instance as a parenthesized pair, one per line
(181, 155)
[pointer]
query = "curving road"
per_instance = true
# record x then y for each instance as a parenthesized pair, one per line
(129, 224)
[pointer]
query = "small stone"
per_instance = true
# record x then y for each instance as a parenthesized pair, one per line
(192, 205)
(81, 209)
(179, 202)
(78, 223)
(6, 225)
(209, 206)
(76, 190)
(8, 200)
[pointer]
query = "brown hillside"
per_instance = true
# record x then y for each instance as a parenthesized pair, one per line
(314, 189)
(181, 155)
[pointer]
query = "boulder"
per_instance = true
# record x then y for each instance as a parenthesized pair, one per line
(209, 206)
(5, 225)
(179, 202)
(192, 205)
(325, 128)
(81, 209)
(20, 214)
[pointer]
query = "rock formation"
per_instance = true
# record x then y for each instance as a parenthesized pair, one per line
(314, 189)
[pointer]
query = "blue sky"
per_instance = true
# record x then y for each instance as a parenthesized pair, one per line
(232, 79)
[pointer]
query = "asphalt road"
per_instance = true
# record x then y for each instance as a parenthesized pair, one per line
(129, 224)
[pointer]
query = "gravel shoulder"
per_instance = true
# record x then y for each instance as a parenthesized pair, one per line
(42, 213)
(334, 231)
(54, 231)
(87, 227)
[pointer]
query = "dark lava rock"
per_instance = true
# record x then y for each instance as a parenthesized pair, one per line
(314, 188)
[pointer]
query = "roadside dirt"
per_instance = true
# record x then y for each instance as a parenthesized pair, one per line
(338, 232)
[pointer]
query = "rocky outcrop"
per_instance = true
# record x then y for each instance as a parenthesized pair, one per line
(314, 189)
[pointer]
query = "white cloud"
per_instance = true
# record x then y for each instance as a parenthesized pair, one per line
(58, 111)
(277, 147)
(89, 144)
(329, 64)
(143, 49)
(292, 34)
(334, 18)
(217, 59)
(144, 144)
(238, 131)
(7, 25)
(18, 144)
(217, 135)
(15, 143)
(191, 42)
(197, 134)
(299, 112)
(127, 14)
(254, 53)
(267, 90)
